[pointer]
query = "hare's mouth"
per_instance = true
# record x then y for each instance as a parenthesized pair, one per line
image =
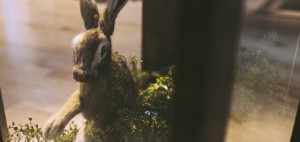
(82, 76)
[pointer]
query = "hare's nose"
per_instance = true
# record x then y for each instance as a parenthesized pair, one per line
(81, 77)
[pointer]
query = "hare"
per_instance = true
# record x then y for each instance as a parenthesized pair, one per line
(106, 84)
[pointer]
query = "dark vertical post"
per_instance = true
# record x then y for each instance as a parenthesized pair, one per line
(296, 130)
(207, 39)
(3, 123)
(201, 38)
(159, 33)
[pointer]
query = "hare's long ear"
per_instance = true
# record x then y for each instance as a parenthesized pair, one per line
(89, 13)
(108, 22)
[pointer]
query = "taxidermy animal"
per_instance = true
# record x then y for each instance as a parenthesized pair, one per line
(106, 84)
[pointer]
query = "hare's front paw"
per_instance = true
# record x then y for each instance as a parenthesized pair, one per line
(54, 127)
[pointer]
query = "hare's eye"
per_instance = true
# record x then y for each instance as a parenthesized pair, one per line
(103, 50)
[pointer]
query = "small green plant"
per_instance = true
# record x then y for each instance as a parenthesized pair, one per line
(31, 132)
(154, 118)
(69, 134)
(28, 132)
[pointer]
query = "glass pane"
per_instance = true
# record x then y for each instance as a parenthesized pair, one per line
(265, 97)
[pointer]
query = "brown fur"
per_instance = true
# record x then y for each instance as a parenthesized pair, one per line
(105, 87)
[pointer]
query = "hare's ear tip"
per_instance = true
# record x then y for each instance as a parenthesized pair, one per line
(90, 14)
(119, 2)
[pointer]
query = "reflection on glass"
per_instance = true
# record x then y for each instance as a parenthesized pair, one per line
(265, 98)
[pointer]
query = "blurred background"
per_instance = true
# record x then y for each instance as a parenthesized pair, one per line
(36, 62)
(266, 90)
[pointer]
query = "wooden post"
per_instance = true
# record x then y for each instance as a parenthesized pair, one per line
(207, 38)
(159, 33)
(296, 131)
(201, 37)
(3, 123)
(294, 91)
